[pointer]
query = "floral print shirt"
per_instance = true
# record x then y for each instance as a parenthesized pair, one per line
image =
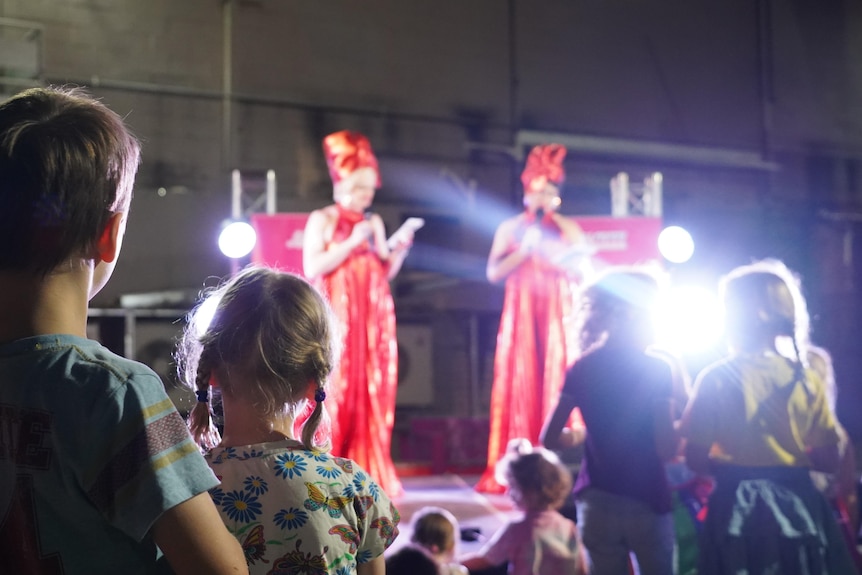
(296, 510)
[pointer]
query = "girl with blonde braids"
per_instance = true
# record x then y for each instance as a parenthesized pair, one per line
(269, 351)
(759, 421)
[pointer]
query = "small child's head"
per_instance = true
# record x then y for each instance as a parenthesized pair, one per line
(412, 560)
(618, 305)
(536, 478)
(763, 302)
(437, 530)
(271, 341)
(67, 165)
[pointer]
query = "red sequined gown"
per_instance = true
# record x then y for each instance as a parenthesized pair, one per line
(532, 350)
(361, 402)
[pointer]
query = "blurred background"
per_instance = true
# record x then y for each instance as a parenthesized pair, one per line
(751, 110)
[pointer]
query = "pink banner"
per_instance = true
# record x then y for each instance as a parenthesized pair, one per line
(623, 241)
(279, 240)
(618, 241)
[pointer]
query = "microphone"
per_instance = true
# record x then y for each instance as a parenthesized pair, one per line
(540, 215)
(533, 233)
(366, 215)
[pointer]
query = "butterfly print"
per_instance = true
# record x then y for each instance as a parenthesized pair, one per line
(299, 563)
(362, 504)
(347, 534)
(388, 529)
(346, 465)
(254, 545)
(317, 499)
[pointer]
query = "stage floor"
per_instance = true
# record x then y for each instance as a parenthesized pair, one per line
(484, 512)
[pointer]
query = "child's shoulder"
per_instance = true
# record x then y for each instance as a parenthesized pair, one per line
(548, 517)
(80, 357)
(296, 459)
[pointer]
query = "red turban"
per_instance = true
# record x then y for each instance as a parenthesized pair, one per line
(544, 164)
(346, 152)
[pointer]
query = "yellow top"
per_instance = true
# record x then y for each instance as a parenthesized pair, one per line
(752, 411)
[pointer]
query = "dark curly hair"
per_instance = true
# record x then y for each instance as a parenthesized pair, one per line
(619, 303)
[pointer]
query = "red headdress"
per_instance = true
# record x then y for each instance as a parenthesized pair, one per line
(346, 152)
(544, 164)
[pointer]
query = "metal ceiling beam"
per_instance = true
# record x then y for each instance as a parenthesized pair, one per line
(701, 155)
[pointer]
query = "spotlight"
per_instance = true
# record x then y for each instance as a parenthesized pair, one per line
(675, 244)
(237, 239)
(688, 319)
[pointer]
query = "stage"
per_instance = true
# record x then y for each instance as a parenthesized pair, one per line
(484, 512)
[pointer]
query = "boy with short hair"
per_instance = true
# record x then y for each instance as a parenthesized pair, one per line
(97, 468)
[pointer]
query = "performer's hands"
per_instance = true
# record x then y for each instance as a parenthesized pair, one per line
(361, 232)
(401, 240)
(573, 436)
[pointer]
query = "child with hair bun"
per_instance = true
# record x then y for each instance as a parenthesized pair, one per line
(542, 542)
(269, 351)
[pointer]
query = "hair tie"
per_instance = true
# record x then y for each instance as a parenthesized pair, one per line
(203, 395)
(319, 395)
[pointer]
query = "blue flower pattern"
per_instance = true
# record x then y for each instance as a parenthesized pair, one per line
(374, 490)
(359, 481)
(255, 485)
(289, 465)
(319, 455)
(330, 471)
(217, 495)
(241, 506)
(292, 518)
(364, 556)
(243, 501)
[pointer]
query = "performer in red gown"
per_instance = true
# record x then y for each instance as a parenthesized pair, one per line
(533, 253)
(347, 255)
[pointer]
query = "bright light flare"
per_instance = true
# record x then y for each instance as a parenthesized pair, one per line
(688, 319)
(204, 314)
(675, 244)
(237, 239)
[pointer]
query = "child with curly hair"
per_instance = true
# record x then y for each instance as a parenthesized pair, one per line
(542, 542)
(624, 391)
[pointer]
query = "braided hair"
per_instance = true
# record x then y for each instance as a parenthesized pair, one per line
(763, 302)
(271, 335)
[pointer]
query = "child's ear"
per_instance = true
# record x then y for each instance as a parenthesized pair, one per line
(108, 247)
